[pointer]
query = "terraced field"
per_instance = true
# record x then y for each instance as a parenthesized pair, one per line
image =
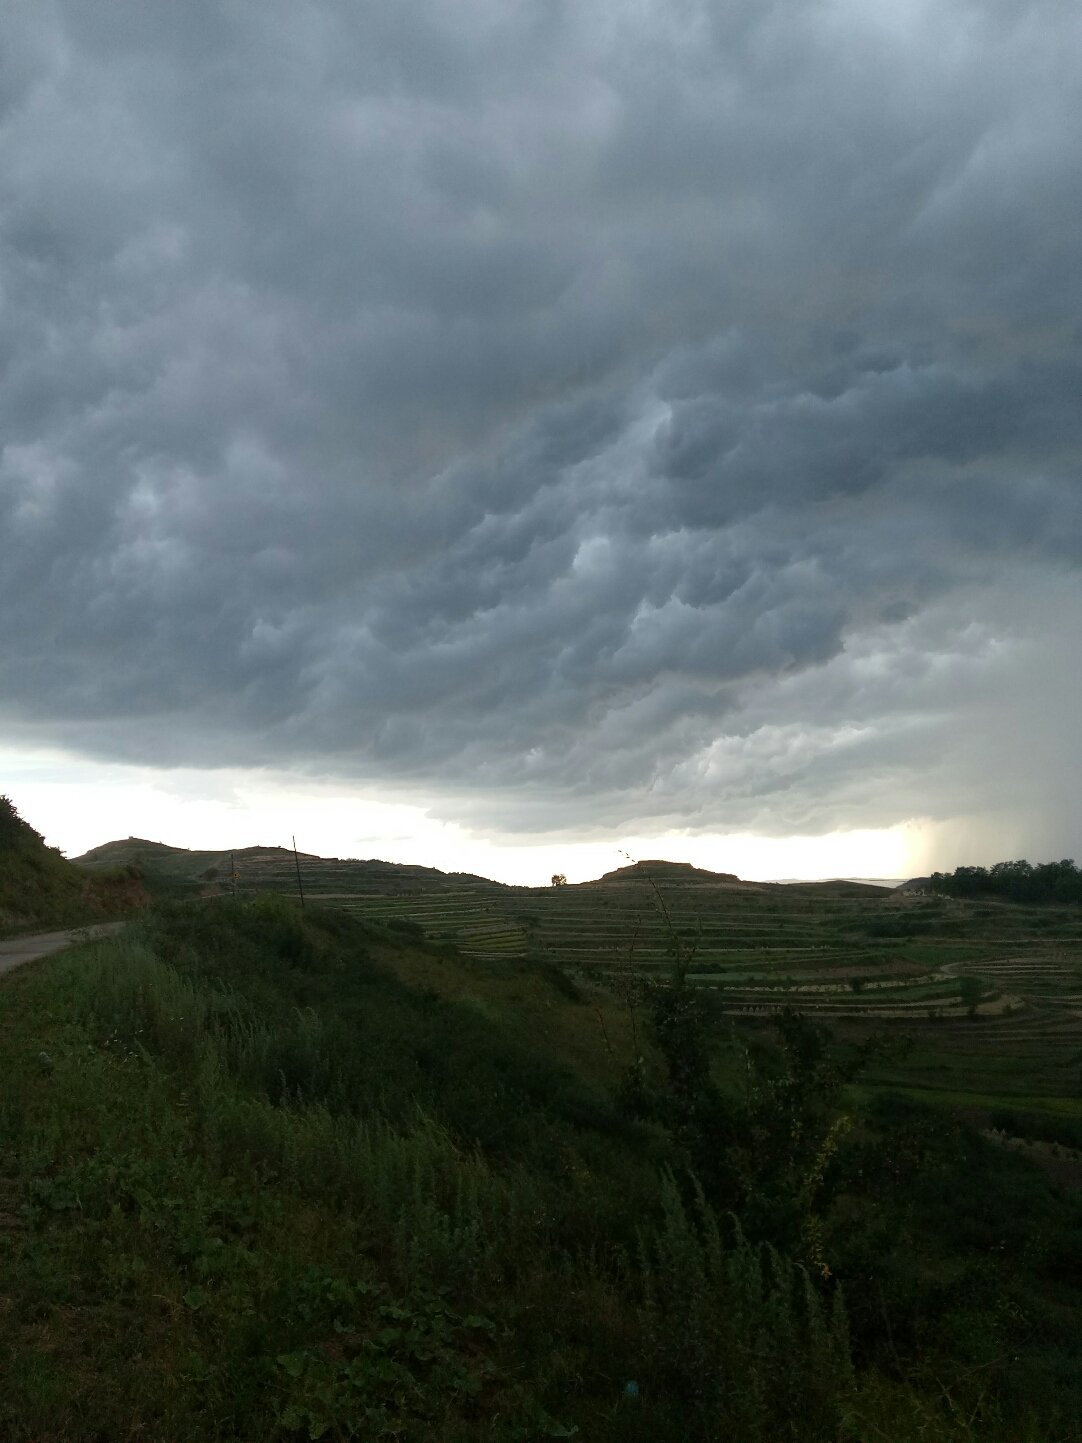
(452, 907)
(459, 909)
(1024, 1048)
(849, 953)
(857, 956)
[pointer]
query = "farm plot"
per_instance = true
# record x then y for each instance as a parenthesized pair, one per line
(329, 879)
(446, 908)
(1031, 1058)
(609, 928)
(1026, 1050)
(463, 917)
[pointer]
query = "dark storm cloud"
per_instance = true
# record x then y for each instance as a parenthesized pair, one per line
(576, 406)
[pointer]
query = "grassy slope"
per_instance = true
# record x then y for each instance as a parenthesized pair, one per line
(144, 1211)
(280, 1177)
(39, 889)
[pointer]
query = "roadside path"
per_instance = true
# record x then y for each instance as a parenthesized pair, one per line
(19, 950)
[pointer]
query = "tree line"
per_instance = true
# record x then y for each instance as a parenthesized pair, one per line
(1019, 881)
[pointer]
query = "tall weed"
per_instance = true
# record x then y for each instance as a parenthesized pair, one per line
(131, 1000)
(739, 1331)
(438, 1211)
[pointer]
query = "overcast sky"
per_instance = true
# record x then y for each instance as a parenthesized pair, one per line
(555, 424)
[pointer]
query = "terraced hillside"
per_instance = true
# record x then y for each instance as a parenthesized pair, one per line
(450, 907)
(1022, 1046)
(642, 916)
(990, 993)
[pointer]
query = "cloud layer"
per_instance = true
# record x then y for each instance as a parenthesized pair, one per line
(591, 413)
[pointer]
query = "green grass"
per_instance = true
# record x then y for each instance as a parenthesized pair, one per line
(275, 1175)
(185, 1252)
(259, 1187)
(371, 1172)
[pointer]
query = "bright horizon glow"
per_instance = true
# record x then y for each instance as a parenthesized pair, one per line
(78, 804)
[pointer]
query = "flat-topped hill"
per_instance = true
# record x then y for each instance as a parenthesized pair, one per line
(658, 871)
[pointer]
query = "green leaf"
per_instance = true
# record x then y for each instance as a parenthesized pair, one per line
(291, 1364)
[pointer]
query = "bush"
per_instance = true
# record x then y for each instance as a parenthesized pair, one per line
(405, 927)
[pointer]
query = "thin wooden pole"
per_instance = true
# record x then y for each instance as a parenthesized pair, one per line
(300, 884)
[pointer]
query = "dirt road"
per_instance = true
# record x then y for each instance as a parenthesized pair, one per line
(18, 950)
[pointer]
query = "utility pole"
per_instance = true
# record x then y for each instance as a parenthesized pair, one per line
(297, 860)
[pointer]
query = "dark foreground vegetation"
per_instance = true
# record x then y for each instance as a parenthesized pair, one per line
(267, 1174)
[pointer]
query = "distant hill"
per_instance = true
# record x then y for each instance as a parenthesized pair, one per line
(666, 872)
(39, 889)
(274, 868)
(838, 887)
(271, 869)
(179, 863)
(684, 874)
